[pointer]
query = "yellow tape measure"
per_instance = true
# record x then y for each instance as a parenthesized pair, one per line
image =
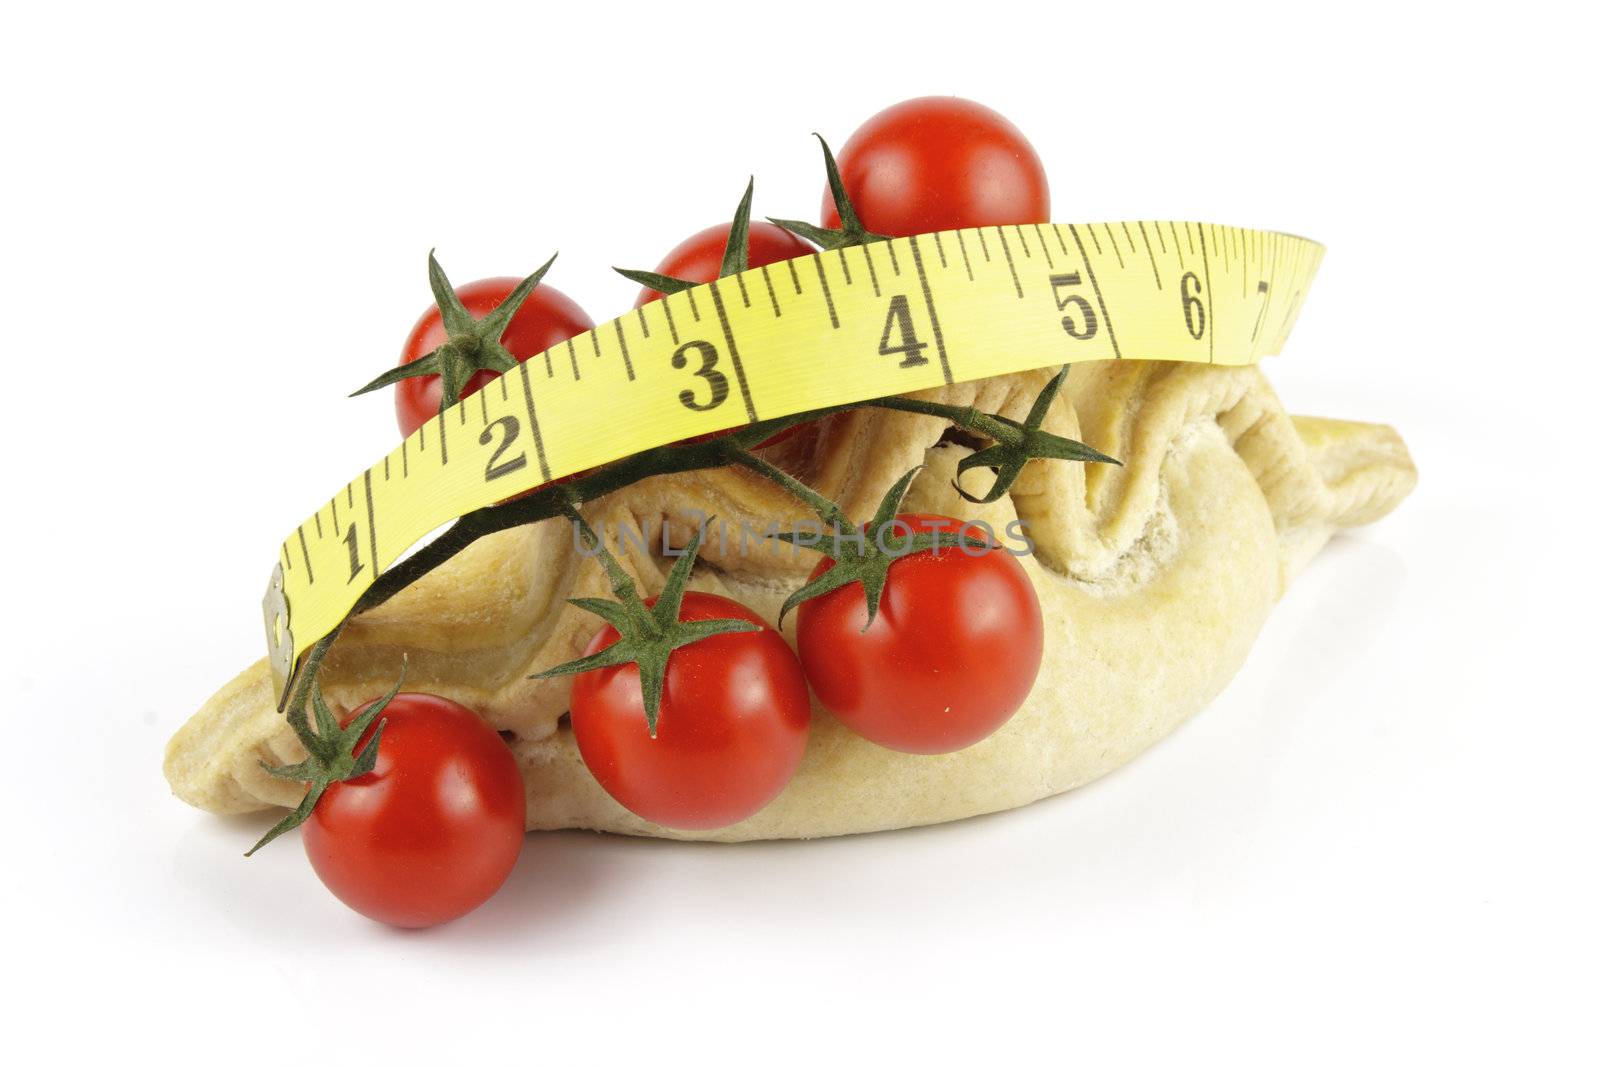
(834, 328)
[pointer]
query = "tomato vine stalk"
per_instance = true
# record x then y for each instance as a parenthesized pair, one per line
(1014, 444)
(650, 634)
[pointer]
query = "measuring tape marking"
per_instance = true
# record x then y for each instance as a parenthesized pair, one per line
(985, 301)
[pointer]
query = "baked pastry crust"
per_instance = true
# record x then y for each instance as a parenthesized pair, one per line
(1154, 579)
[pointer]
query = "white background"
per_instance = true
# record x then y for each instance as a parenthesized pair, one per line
(1379, 843)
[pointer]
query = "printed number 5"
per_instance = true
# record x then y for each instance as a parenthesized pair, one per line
(1090, 325)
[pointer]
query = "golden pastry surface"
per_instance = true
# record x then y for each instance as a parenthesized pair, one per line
(1154, 579)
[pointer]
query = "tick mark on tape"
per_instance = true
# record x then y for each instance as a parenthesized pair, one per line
(1011, 264)
(827, 292)
(772, 294)
(666, 306)
(962, 241)
(872, 271)
(1152, 252)
(622, 343)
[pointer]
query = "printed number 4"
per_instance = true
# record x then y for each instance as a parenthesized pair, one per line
(899, 321)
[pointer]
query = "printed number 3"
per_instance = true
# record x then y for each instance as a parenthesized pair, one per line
(707, 370)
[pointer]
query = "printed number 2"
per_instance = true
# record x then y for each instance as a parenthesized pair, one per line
(1090, 325)
(496, 468)
(899, 319)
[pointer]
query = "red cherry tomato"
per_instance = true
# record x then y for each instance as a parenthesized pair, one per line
(732, 728)
(699, 258)
(953, 652)
(939, 163)
(436, 826)
(545, 319)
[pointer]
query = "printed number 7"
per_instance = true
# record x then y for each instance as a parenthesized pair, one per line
(1261, 287)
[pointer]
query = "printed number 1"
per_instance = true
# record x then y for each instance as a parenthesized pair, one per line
(350, 540)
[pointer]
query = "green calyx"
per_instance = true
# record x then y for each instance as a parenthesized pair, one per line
(648, 635)
(330, 754)
(1015, 443)
(859, 555)
(474, 343)
(851, 232)
(864, 555)
(735, 254)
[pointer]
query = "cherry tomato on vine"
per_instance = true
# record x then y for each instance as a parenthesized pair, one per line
(436, 826)
(733, 724)
(699, 257)
(544, 320)
(939, 163)
(952, 653)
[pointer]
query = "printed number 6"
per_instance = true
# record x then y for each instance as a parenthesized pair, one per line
(1194, 311)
